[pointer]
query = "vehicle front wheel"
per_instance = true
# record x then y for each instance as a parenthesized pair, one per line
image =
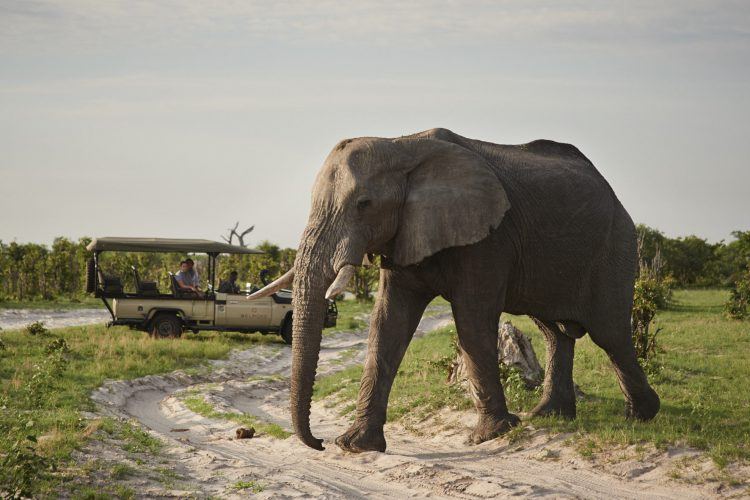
(286, 330)
(166, 326)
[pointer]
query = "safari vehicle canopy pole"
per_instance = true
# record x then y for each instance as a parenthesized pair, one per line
(212, 270)
(96, 285)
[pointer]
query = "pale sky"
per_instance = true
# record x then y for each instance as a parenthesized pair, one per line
(178, 118)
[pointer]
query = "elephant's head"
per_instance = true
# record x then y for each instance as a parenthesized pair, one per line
(404, 198)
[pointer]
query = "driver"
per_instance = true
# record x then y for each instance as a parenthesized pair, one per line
(230, 285)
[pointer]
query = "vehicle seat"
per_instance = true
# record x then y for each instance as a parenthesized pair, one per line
(110, 285)
(179, 291)
(143, 287)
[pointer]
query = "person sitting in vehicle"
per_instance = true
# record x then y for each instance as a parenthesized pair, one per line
(187, 276)
(230, 285)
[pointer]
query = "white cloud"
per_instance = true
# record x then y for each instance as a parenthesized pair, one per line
(97, 25)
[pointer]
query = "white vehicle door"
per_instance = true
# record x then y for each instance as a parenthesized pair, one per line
(243, 313)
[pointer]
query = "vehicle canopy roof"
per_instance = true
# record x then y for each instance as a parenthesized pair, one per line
(118, 244)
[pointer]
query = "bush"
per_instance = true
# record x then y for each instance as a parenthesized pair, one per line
(652, 292)
(59, 345)
(22, 467)
(739, 300)
(518, 394)
(37, 328)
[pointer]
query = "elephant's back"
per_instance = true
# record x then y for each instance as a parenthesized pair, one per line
(570, 229)
(551, 185)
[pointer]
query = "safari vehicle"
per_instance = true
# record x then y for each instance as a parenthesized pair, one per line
(167, 313)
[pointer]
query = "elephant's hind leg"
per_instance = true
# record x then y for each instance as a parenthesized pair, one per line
(558, 396)
(477, 339)
(641, 401)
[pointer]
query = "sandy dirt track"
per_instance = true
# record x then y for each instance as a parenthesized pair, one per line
(11, 319)
(428, 460)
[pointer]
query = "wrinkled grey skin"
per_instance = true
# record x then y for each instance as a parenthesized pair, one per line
(531, 229)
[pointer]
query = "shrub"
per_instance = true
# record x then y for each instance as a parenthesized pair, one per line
(517, 391)
(652, 291)
(22, 467)
(739, 299)
(37, 328)
(59, 345)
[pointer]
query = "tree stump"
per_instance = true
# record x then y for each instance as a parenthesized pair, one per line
(514, 350)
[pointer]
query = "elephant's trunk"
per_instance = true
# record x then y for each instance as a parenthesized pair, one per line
(309, 312)
(313, 274)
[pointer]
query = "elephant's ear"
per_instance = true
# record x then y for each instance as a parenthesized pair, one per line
(453, 199)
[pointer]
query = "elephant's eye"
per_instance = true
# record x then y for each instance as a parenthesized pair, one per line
(362, 204)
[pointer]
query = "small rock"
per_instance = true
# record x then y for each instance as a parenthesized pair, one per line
(547, 454)
(243, 433)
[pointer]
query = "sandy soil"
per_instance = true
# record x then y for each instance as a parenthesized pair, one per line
(12, 319)
(429, 459)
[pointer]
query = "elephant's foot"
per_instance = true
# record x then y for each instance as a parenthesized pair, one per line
(555, 405)
(643, 407)
(489, 427)
(360, 438)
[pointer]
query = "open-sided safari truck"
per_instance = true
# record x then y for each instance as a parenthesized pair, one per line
(167, 313)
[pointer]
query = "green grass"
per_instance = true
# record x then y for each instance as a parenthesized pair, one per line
(95, 354)
(134, 439)
(197, 404)
(348, 309)
(419, 386)
(705, 360)
(122, 471)
(248, 486)
(705, 403)
(60, 303)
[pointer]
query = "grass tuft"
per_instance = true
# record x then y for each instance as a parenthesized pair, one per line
(250, 486)
(197, 404)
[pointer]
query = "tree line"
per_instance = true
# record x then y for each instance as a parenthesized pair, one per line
(32, 271)
(692, 261)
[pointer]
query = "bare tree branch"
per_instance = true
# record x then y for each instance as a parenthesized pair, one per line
(232, 233)
(240, 236)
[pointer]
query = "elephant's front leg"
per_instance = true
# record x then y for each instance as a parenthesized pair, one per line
(394, 319)
(477, 338)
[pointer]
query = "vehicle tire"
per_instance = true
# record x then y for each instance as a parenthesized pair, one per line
(286, 330)
(166, 326)
(90, 276)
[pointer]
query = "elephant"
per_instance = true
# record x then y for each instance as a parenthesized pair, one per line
(531, 229)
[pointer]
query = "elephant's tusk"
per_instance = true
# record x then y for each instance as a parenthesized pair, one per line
(274, 286)
(342, 279)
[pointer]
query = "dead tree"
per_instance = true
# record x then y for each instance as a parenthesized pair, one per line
(514, 351)
(240, 236)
